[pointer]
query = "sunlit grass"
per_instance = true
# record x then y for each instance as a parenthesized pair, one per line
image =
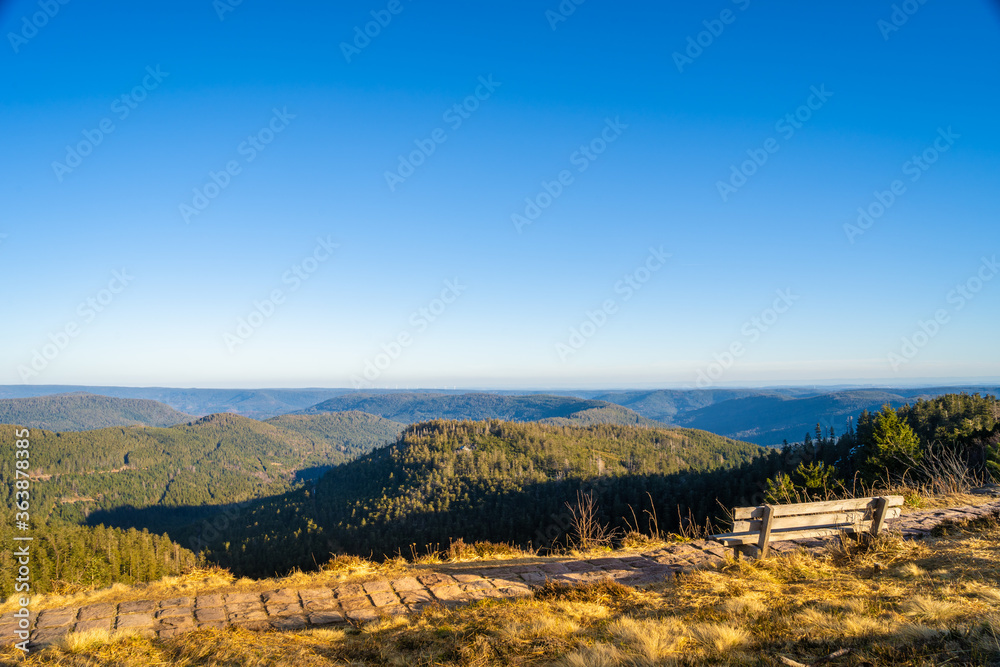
(889, 600)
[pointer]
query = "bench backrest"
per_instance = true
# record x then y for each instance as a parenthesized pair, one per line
(799, 521)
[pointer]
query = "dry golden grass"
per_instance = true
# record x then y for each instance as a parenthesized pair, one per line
(92, 640)
(649, 639)
(343, 569)
(598, 655)
(942, 501)
(339, 570)
(928, 610)
(719, 638)
(889, 601)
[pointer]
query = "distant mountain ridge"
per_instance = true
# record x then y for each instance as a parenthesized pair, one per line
(762, 416)
(255, 403)
(769, 416)
(82, 412)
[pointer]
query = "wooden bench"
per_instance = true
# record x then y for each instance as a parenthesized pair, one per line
(754, 528)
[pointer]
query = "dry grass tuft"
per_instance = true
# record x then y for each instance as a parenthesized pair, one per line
(460, 552)
(914, 632)
(91, 640)
(635, 541)
(929, 610)
(911, 571)
(649, 639)
(604, 592)
(989, 522)
(719, 638)
(598, 655)
(875, 552)
(748, 604)
(539, 626)
(989, 595)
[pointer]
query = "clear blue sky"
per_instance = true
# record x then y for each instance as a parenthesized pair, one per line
(672, 129)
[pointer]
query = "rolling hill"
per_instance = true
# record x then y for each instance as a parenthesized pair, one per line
(82, 411)
(766, 417)
(255, 403)
(108, 474)
(773, 415)
(487, 480)
(412, 408)
(161, 480)
(768, 420)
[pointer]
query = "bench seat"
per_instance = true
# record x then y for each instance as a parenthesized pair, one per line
(754, 528)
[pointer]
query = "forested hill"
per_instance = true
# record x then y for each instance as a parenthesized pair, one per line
(501, 481)
(771, 419)
(769, 416)
(355, 432)
(82, 411)
(411, 408)
(161, 479)
(218, 459)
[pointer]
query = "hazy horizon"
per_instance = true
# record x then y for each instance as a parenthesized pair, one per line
(488, 388)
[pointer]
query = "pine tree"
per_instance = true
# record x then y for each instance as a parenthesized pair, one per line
(893, 445)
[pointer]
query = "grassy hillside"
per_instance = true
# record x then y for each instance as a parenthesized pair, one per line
(497, 481)
(81, 411)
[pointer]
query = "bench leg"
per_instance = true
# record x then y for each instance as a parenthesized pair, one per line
(763, 544)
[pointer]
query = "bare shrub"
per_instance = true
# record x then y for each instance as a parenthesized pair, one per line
(586, 529)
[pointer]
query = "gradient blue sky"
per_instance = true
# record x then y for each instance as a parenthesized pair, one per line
(656, 185)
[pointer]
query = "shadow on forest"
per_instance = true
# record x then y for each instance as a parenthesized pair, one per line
(304, 528)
